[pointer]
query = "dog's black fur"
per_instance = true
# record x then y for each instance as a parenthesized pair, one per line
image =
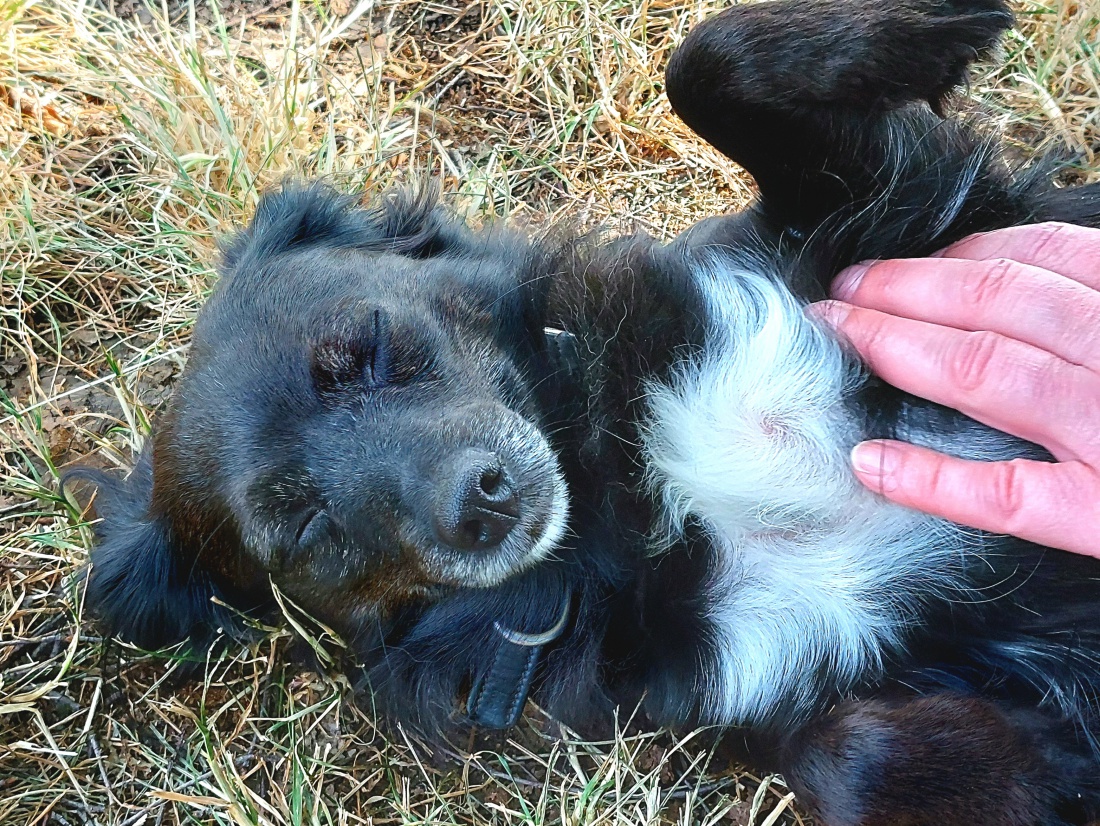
(348, 354)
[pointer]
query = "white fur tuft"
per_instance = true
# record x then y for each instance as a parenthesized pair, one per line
(814, 575)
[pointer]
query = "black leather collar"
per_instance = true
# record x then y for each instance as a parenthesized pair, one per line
(499, 693)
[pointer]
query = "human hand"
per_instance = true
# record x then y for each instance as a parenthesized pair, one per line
(1005, 327)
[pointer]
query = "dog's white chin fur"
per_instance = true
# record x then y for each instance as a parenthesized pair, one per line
(813, 574)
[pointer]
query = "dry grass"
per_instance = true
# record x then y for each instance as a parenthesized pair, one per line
(126, 145)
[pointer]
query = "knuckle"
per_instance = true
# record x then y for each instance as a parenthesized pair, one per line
(935, 478)
(1005, 496)
(986, 285)
(1048, 230)
(1050, 239)
(970, 362)
(867, 331)
(875, 333)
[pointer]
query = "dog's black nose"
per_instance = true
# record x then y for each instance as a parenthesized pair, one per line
(476, 502)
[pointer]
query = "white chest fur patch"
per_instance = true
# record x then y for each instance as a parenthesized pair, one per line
(815, 577)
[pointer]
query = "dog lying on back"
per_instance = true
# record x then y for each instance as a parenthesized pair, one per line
(610, 472)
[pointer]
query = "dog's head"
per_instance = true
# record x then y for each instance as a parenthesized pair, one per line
(357, 425)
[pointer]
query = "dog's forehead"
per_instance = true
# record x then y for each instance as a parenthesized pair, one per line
(279, 311)
(297, 280)
(289, 286)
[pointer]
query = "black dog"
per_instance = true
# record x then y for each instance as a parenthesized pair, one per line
(382, 418)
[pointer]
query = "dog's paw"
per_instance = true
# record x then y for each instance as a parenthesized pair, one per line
(939, 41)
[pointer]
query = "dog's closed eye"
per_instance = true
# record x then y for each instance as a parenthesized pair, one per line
(375, 355)
(314, 526)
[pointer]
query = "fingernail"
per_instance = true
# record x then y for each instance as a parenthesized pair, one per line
(845, 284)
(876, 462)
(832, 313)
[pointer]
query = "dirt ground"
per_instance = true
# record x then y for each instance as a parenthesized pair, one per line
(131, 137)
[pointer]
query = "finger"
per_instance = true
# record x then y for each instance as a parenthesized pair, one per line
(1017, 300)
(1066, 249)
(1003, 383)
(1052, 504)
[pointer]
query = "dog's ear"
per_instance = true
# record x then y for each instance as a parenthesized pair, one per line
(141, 585)
(402, 221)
